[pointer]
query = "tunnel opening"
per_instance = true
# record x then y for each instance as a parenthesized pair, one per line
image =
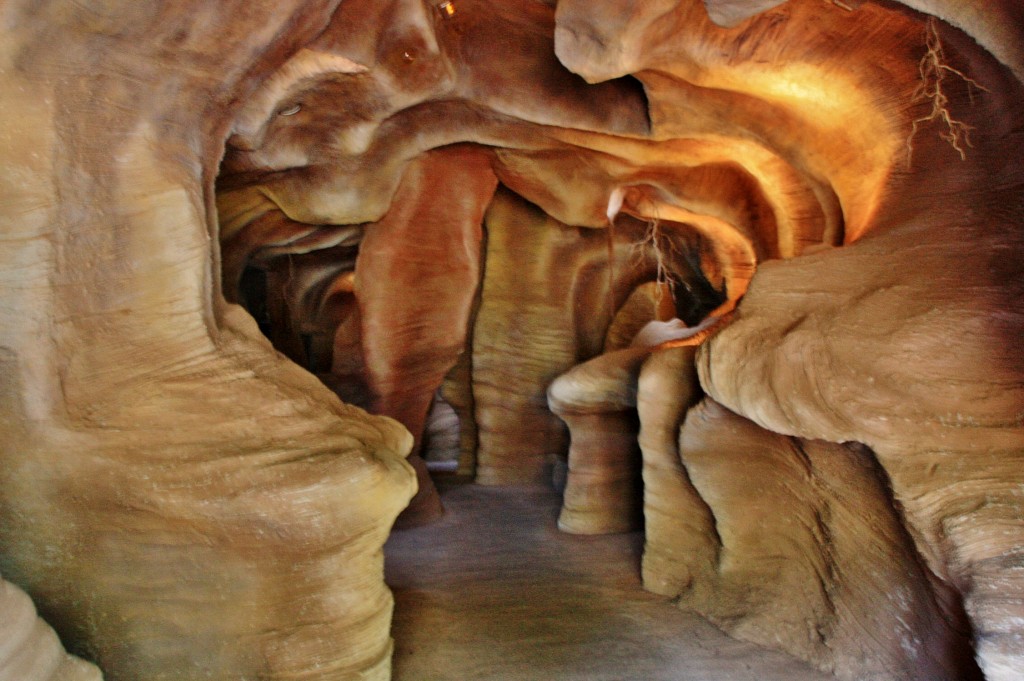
(300, 287)
(560, 281)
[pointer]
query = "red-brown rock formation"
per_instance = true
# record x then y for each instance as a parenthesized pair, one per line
(840, 178)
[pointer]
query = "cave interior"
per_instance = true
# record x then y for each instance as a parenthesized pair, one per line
(512, 340)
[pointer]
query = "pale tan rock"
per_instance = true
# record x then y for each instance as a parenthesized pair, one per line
(531, 314)
(810, 555)
(151, 434)
(597, 402)
(679, 527)
(600, 402)
(179, 500)
(29, 648)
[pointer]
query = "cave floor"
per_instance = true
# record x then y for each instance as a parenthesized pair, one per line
(494, 592)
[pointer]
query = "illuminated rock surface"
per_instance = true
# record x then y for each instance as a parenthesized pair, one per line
(479, 198)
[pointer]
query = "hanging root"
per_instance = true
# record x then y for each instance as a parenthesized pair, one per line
(655, 241)
(934, 71)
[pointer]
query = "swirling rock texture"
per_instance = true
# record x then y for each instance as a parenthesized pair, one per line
(868, 353)
(834, 578)
(480, 197)
(178, 500)
(599, 402)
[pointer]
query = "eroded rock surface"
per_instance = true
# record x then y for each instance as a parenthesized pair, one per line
(806, 551)
(178, 500)
(29, 648)
(884, 341)
(475, 194)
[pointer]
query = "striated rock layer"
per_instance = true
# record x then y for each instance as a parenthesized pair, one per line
(836, 180)
(905, 338)
(797, 544)
(178, 500)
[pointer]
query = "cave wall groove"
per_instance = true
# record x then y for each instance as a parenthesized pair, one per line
(159, 453)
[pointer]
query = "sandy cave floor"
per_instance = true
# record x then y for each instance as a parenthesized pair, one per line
(494, 591)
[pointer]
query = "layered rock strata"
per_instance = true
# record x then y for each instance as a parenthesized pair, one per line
(178, 500)
(837, 176)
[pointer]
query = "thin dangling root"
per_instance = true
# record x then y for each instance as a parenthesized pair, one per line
(654, 240)
(663, 248)
(934, 70)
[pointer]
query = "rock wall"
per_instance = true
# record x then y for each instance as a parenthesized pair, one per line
(805, 550)
(903, 338)
(178, 500)
(836, 181)
(29, 648)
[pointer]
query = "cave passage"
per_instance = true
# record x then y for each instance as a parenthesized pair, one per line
(493, 591)
(538, 267)
(723, 299)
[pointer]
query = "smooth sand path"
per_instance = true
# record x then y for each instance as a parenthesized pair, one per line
(494, 592)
